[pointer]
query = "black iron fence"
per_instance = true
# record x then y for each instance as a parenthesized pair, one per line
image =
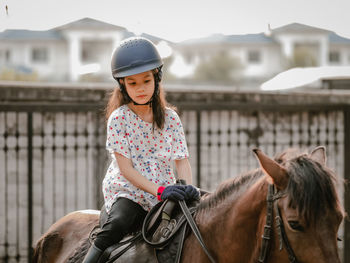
(52, 156)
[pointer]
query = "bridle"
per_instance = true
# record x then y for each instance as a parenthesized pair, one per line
(272, 196)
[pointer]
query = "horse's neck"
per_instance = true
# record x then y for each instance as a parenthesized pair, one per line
(235, 222)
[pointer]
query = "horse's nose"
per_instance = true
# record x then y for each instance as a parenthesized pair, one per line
(332, 257)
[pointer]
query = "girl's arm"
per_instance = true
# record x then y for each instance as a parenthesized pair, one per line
(183, 169)
(133, 176)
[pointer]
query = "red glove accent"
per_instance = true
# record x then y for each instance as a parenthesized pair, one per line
(159, 192)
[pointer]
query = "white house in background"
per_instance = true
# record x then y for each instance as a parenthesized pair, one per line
(68, 52)
(63, 53)
(266, 54)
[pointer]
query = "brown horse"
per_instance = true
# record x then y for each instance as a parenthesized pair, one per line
(232, 219)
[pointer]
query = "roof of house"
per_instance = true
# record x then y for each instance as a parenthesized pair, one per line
(336, 39)
(56, 33)
(150, 37)
(262, 38)
(89, 23)
(19, 34)
(298, 28)
(250, 38)
(233, 39)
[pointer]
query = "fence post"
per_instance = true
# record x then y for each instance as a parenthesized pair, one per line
(30, 183)
(198, 135)
(347, 183)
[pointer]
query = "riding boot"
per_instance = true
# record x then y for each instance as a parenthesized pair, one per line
(93, 255)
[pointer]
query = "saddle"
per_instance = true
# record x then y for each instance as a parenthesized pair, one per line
(165, 229)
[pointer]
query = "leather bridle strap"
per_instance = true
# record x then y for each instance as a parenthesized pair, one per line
(272, 196)
(283, 237)
(268, 225)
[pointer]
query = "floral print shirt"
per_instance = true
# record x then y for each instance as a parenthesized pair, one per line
(151, 152)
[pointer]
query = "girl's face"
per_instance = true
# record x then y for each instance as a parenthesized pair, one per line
(140, 87)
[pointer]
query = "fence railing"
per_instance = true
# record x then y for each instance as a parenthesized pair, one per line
(52, 157)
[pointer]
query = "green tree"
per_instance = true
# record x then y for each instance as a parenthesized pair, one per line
(220, 68)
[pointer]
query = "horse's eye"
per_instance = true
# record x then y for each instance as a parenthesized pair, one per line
(295, 225)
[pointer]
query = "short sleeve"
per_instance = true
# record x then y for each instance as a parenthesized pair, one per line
(179, 146)
(117, 137)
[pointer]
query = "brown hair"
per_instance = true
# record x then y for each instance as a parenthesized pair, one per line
(158, 104)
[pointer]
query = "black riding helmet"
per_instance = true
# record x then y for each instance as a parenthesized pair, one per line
(133, 56)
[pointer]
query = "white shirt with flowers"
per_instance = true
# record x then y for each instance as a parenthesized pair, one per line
(151, 152)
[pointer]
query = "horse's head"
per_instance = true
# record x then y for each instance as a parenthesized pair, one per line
(308, 204)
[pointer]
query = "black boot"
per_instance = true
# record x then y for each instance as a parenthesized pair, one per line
(93, 254)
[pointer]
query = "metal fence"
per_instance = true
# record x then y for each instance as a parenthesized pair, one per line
(52, 156)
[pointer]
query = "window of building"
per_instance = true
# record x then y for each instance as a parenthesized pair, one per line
(334, 57)
(39, 55)
(5, 56)
(254, 56)
(93, 50)
(189, 57)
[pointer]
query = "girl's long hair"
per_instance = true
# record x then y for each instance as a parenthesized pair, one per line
(158, 104)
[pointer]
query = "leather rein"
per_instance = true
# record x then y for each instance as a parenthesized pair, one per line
(272, 196)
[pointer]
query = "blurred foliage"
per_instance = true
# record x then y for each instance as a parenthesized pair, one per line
(167, 75)
(221, 68)
(12, 74)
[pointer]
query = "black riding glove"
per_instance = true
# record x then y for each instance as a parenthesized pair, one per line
(191, 192)
(172, 192)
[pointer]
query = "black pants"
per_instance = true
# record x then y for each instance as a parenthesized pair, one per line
(124, 218)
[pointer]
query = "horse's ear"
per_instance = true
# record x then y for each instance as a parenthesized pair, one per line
(272, 169)
(319, 155)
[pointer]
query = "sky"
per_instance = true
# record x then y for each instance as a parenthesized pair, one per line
(178, 20)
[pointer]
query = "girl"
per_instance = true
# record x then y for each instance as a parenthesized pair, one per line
(143, 138)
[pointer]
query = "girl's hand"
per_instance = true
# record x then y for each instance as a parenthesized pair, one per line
(172, 192)
(178, 193)
(191, 192)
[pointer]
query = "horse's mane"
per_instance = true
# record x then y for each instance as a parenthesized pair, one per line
(230, 188)
(311, 186)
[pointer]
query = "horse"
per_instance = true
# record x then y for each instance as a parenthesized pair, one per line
(287, 210)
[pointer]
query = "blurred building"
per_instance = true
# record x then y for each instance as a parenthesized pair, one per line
(81, 50)
(77, 51)
(263, 55)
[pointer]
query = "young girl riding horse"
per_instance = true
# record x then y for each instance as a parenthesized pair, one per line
(144, 136)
